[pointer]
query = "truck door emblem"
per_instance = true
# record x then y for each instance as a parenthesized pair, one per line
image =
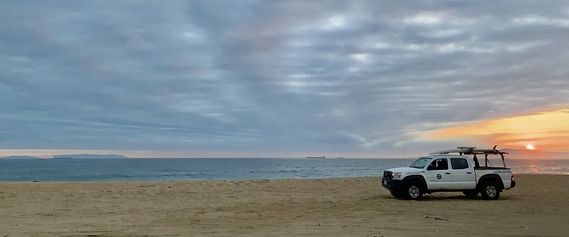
(439, 176)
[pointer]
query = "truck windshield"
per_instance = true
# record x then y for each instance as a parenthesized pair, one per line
(420, 163)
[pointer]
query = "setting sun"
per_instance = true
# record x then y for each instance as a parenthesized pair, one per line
(530, 147)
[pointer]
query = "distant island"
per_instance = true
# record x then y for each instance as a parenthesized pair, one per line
(89, 156)
(19, 157)
(71, 156)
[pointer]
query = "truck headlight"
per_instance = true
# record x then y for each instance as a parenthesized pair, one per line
(396, 175)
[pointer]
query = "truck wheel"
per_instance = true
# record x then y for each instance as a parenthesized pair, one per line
(490, 190)
(470, 193)
(395, 194)
(413, 191)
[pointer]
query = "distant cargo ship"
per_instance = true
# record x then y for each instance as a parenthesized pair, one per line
(316, 157)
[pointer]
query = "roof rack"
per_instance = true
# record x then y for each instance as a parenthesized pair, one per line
(461, 150)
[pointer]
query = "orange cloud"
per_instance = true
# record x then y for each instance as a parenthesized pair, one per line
(546, 131)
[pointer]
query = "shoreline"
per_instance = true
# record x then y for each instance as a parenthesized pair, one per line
(279, 207)
(229, 180)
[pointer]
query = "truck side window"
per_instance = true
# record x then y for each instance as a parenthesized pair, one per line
(439, 164)
(458, 163)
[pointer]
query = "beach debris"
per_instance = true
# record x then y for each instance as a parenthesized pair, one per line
(320, 225)
(437, 218)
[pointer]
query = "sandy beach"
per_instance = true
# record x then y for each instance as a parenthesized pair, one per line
(538, 206)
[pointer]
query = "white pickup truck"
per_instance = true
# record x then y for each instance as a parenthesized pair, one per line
(450, 170)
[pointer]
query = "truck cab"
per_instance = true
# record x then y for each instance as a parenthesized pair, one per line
(446, 171)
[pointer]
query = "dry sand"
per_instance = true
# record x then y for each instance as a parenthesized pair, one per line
(539, 206)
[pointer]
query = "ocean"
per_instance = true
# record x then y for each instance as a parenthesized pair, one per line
(162, 169)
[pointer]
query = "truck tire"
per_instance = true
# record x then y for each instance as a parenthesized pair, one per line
(490, 190)
(413, 191)
(395, 194)
(470, 193)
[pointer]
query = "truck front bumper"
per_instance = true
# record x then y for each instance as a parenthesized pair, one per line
(392, 184)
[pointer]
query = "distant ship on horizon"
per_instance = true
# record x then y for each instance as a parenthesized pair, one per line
(316, 157)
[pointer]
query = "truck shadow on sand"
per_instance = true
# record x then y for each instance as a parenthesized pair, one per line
(435, 198)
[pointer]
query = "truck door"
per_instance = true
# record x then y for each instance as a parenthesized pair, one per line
(438, 174)
(463, 176)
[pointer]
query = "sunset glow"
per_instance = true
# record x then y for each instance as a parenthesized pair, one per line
(548, 129)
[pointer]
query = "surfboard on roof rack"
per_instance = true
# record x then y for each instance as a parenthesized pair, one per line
(461, 150)
(469, 151)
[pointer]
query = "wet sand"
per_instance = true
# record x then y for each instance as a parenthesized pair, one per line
(538, 206)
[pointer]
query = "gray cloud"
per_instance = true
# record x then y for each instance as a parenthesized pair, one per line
(271, 76)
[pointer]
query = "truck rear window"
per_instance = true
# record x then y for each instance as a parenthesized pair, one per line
(458, 163)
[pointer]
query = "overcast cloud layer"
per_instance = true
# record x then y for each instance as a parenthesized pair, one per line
(272, 77)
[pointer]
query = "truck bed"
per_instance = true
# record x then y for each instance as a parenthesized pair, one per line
(490, 168)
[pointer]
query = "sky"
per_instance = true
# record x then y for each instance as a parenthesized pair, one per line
(282, 78)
